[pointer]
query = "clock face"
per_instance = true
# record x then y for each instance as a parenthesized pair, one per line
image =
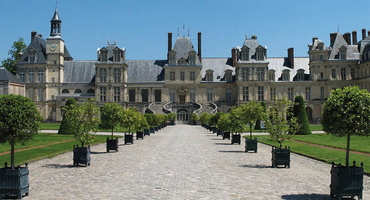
(53, 47)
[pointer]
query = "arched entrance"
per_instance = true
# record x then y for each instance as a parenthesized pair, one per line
(182, 116)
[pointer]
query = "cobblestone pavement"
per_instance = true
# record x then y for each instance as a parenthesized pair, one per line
(180, 162)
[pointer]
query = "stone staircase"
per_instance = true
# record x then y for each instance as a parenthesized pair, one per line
(157, 107)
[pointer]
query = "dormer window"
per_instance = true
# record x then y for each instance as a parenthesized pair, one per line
(32, 56)
(260, 53)
(300, 75)
(271, 75)
(286, 75)
(192, 58)
(228, 75)
(244, 54)
(342, 53)
(182, 61)
(209, 76)
(320, 46)
(117, 55)
(172, 58)
(103, 55)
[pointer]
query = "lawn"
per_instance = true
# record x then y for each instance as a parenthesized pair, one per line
(326, 154)
(313, 127)
(59, 144)
(55, 126)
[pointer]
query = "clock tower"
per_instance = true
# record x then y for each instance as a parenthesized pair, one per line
(54, 43)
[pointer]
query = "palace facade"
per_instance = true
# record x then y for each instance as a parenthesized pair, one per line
(185, 82)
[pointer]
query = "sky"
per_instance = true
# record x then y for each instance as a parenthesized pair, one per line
(141, 26)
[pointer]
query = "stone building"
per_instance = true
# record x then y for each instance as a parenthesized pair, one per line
(185, 82)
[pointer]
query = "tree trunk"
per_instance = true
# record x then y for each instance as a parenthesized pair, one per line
(12, 155)
(347, 150)
(250, 126)
(112, 131)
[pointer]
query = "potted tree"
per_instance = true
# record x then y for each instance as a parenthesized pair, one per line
(171, 118)
(213, 122)
(299, 112)
(204, 120)
(347, 113)
(249, 113)
(110, 119)
(84, 119)
(194, 118)
(281, 126)
(129, 118)
(64, 127)
(149, 118)
(231, 123)
(19, 122)
(140, 126)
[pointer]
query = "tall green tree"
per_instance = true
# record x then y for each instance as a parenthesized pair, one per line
(346, 113)
(258, 125)
(130, 118)
(249, 113)
(111, 116)
(214, 118)
(11, 63)
(299, 111)
(230, 122)
(205, 118)
(84, 119)
(66, 128)
(19, 121)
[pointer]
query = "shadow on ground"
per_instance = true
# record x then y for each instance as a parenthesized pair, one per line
(58, 166)
(306, 197)
(256, 166)
(222, 143)
(231, 151)
(94, 152)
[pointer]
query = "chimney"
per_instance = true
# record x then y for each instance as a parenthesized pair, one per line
(234, 56)
(200, 46)
(313, 40)
(368, 33)
(33, 35)
(291, 57)
(347, 38)
(332, 38)
(354, 37)
(363, 33)
(169, 42)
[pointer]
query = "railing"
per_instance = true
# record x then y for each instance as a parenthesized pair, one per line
(198, 106)
(166, 108)
(150, 107)
(214, 106)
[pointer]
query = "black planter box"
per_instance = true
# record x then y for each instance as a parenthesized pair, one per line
(346, 181)
(235, 138)
(220, 132)
(129, 138)
(139, 134)
(112, 144)
(251, 145)
(280, 157)
(152, 130)
(14, 182)
(215, 130)
(226, 135)
(81, 155)
(146, 132)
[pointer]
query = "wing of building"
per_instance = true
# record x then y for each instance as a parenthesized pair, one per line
(185, 82)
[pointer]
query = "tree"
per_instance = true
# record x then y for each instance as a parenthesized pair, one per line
(230, 122)
(19, 121)
(11, 63)
(142, 123)
(111, 116)
(280, 123)
(214, 118)
(66, 128)
(258, 122)
(347, 113)
(249, 113)
(130, 118)
(299, 112)
(205, 118)
(84, 118)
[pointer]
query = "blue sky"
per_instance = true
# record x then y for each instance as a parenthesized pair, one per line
(141, 26)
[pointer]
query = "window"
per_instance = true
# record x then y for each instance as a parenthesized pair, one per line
(308, 93)
(182, 76)
(209, 76)
(260, 74)
(53, 80)
(352, 73)
(31, 77)
(103, 75)
(228, 76)
(286, 75)
(192, 76)
(321, 75)
(157, 95)
(65, 91)
(192, 95)
(228, 95)
(245, 74)
(300, 75)
(273, 94)
(117, 75)
(192, 57)
(343, 74)
(41, 76)
(172, 95)
(103, 55)
(172, 76)
(271, 75)
(245, 93)
(31, 94)
(322, 93)
(91, 91)
(103, 94)
(209, 95)
(172, 58)
(260, 53)
(131, 95)
(333, 73)
(78, 91)
(117, 94)
(260, 93)
(32, 56)
(144, 95)
(290, 94)
(244, 54)
(21, 76)
(40, 94)
(117, 55)
(342, 53)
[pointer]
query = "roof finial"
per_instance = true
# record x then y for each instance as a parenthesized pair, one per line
(338, 28)
(56, 4)
(178, 32)
(188, 32)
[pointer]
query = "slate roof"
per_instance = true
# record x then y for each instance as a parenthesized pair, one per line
(182, 48)
(145, 71)
(5, 75)
(218, 65)
(277, 64)
(352, 51)
(79, 71)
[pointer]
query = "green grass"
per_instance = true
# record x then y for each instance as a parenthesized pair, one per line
(326, 154)
(44, 152)
(50, 126)
(316, 127)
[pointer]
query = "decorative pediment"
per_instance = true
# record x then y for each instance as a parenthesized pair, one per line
(182, 91)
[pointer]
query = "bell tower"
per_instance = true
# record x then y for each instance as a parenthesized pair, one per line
(55, 43)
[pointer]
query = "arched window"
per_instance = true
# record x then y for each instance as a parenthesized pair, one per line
(65, 91)
(91, 91)
(77, 91)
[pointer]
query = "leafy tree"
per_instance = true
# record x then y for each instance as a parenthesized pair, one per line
(258, 122)
(84, 118)
(19, 121)
(347, 113)
(280, 123)
(214, 118)
(299, 112)
(11, 63)
(230, 122)
(150, 119)
(249, 113)
(111, 116)
(205, 118)
(129, 118)
(142, 123)
(194, 117)
(171, 117)
(66, 128)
